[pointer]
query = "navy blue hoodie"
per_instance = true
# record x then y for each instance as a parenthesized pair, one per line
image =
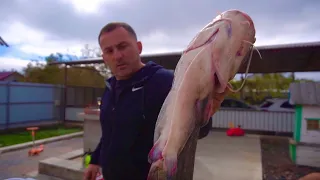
(129, 111)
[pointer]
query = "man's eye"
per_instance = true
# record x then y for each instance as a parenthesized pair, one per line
(108, 51)
(122, 46)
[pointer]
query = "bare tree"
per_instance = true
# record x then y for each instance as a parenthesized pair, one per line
(95, 52)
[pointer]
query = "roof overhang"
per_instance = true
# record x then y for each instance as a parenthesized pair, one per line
(3, 43)
(298, 57)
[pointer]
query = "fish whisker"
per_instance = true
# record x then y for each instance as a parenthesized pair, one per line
(248, 66)
(253, 47)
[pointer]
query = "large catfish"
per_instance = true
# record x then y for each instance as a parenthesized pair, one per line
(201, 81)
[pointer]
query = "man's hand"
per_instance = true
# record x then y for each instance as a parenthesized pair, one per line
(91, 172)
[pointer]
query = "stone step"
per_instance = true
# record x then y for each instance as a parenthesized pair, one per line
(45, 177)
(34, 175)
(61, 168)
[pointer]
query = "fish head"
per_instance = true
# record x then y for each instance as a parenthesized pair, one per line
(241, 39)
(223, 44)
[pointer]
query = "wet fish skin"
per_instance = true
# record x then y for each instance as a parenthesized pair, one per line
(200, 84)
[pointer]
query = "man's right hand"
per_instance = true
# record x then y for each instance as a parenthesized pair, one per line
(91, 172)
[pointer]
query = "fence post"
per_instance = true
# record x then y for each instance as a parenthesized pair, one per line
(8, 106)
(94, 98)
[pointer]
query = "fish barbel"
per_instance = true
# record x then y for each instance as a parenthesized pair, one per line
(201, 81)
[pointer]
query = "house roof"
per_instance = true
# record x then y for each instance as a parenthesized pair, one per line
(305, 93)
(4, 75)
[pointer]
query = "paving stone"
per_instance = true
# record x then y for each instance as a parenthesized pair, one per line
(18, 163)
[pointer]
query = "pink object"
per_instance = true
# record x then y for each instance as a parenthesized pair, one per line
(99, 176)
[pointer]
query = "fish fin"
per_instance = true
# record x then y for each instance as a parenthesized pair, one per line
(218, 99)
(155, 152)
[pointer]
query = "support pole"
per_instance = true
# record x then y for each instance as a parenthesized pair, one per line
(186, 160)
(187, 157)
(65, 93)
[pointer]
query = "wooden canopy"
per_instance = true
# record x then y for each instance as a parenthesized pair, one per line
(298, 57)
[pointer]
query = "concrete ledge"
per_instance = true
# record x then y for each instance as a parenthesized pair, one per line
(293, 142)
(61, 168)
(44, 177)
(38, 142)
(72, 155)
(49, 163)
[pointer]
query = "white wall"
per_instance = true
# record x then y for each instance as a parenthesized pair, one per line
(309, 136)
(72, 114)
(254, 120)
(308, 156)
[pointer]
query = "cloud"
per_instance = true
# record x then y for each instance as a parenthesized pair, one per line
(44, 26)
(7, 63)
(68, 21)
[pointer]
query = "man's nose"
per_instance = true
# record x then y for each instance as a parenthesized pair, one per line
(117, 54)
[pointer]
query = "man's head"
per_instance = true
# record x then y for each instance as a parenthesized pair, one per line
(120, 49)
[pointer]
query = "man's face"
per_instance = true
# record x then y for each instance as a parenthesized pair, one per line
(121, 52)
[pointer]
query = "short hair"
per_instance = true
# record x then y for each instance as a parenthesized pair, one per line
(113, 25)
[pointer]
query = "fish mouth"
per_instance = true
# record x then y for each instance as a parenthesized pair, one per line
(246, 16)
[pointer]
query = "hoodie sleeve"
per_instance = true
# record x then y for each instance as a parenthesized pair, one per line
(95, 155)
(162, 82)
(159, 87)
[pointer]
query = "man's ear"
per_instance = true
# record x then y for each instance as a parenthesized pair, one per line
(139, 44)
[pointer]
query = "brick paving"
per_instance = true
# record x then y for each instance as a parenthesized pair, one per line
(18, 163)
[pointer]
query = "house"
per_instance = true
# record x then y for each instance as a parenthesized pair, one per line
(305, 145)
(11, 76)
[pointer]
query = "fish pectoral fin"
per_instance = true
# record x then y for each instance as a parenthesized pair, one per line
(155, 152)
(218, 99)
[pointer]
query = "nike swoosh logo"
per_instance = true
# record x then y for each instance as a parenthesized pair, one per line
(136, 89)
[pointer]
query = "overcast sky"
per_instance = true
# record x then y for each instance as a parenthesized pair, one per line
(41, 27)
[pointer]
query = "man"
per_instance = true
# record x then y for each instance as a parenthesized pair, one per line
(129, 106)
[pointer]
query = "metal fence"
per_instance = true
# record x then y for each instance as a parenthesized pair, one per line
(82, 96)
(78, 98)
(255, 120)
(23, 104)
(27, 103)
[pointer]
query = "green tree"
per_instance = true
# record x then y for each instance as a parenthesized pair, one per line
(38, 72)
(260, 86)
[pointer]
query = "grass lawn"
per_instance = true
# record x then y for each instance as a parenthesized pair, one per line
(23, 136)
